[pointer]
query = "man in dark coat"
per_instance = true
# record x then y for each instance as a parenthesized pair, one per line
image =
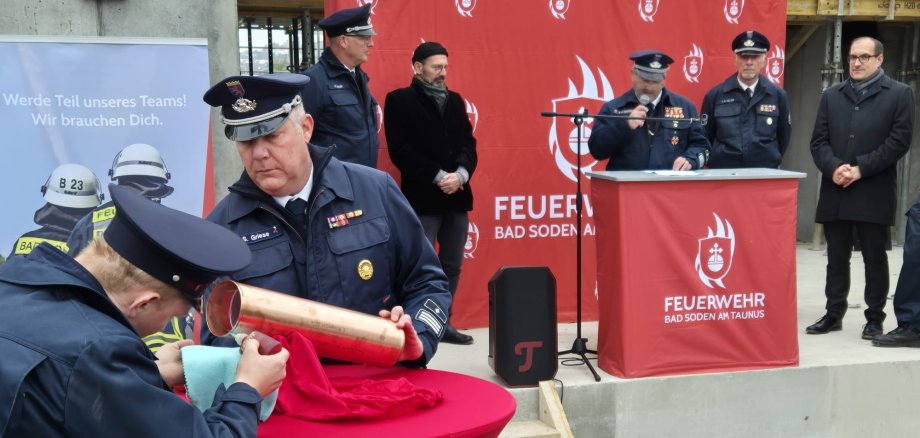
(430, 140)
(639, 144)
(72, 362)
(337, 96)
(864, 126)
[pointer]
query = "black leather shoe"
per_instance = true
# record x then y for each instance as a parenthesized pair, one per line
(871, 330)
(825, 325)
(452, 336)
(903, 336)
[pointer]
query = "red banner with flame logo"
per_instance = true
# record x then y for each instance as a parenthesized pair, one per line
(511, 60)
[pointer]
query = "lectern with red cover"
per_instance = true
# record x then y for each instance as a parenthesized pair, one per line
(695, 270)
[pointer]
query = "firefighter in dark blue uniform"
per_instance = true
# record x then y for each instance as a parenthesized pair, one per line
(319, 228)
(138, 167)
(70, 192)
(677, 143)
(907, 293)
(746, 118)
(337, 96)
(73, 362)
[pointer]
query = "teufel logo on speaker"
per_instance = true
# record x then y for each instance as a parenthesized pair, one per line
(648, 9)
(559, 8)
(733, 10)
(563, 134)
(465, 7)
(715, 251)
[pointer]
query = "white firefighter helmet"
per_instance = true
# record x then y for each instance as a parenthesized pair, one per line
(139, 159)
(72, 185)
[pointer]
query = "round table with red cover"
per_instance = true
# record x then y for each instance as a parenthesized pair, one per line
(470, 407)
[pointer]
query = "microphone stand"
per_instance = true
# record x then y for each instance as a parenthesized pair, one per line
(580, 346)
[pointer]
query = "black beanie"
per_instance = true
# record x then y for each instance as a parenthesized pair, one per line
(426, 49)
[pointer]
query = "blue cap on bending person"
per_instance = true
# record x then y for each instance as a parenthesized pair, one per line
(750, 42)
(181, 250)
(351, 21)
(253, 106)
(651, 65)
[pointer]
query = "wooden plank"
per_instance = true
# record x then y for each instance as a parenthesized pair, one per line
(798, 11)
(551, 411)
(830, 7)
(529, 429)
(903, 9)
(801, 8)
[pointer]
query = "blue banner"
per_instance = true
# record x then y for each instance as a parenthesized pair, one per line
(82, 101)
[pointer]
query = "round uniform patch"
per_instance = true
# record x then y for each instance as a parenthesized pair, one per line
(365, 269)
(769, 120)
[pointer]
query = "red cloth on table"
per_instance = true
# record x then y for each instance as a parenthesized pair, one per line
(308, 394)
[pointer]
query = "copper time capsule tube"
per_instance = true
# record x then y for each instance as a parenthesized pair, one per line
(336, 333)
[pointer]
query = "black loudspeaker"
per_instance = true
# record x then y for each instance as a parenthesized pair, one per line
(522, 325)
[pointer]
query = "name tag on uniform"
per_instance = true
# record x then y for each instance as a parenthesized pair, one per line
(259, 236)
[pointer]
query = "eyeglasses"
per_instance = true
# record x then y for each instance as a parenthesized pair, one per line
(862, 58)
(439, 68)
(367, 39)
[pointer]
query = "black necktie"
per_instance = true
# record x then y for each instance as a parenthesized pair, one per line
(298, 207)
(651, 125)
(750, 92)
(354, 75)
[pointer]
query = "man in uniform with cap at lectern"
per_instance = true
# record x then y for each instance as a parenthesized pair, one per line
(747, 118)
(337, 96)
(73, 360)
(633, 143)
(319, 228)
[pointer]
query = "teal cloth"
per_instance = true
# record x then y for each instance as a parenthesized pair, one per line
(206, 368)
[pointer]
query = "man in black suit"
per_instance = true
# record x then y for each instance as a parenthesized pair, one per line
(430, 140)
(864, 126)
